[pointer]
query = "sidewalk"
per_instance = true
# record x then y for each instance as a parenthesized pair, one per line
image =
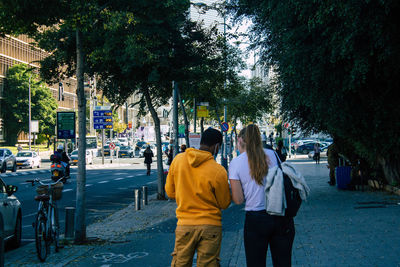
(333, 228)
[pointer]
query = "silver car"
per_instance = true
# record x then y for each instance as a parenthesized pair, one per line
(10, 215)
(7, 160)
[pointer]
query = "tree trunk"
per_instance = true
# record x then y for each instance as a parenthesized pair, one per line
(391, 169)
(185, 119)
(202, 125)
(80, 217)
(160, 168)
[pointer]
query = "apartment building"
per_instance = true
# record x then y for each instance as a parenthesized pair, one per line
(17, 50)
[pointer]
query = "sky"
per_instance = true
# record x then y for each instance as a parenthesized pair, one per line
(211, 17)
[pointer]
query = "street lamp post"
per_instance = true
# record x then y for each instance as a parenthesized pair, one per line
(30, 115)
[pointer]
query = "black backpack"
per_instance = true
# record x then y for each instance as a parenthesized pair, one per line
(292, 194)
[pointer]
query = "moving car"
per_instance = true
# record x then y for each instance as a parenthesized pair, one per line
(126, 151)
(305, 148)
(10, 215)
(7, 160)
(28, 159)
(124, 141)
(74, 157)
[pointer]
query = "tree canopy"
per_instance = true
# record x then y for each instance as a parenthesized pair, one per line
(337, 64)
(16, 102)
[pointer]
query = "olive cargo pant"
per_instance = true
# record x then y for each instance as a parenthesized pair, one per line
(206, 239)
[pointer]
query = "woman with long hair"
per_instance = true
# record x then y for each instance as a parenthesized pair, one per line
(247, 175)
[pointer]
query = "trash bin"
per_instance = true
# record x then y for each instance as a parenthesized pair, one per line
(343, 176)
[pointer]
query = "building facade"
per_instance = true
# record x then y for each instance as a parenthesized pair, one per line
(17, 50)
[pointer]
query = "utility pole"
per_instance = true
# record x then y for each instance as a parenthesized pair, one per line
(224, 161)
(175, 117)
(194, 115)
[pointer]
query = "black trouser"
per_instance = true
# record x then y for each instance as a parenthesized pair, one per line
(261, 230)
(148, 168)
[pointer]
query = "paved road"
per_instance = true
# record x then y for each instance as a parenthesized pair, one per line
(107, 190)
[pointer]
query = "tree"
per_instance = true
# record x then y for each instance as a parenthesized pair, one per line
(16, 102)
(337, 63)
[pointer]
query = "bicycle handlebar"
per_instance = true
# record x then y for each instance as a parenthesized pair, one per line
(37, 180)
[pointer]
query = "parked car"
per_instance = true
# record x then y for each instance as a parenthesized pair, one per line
(74, 157)
(7, 160)
(10, 214)
(126, 151)
(305, 148)
(28, 159)
(123, 141)
(324, 149)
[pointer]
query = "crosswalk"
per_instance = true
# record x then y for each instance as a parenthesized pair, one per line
(88, 167)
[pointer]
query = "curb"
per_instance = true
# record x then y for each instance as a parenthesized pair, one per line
(374, 184)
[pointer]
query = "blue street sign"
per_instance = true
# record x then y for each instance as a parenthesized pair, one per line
(102, 119)
(225, 126)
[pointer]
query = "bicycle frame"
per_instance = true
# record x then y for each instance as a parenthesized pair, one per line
(47, 210)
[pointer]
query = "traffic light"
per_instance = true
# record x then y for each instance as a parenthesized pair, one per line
(60, 91)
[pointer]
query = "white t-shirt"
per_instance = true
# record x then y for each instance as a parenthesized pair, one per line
(254, 194)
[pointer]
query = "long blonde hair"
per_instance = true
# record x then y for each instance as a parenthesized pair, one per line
(255, 153)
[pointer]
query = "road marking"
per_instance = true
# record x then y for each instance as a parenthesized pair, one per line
(26, 226)
(29, 215)
(14, 174)
(103, 182)
(121, 173)
(67, 190)
(117, 179)
(152, 182)
(27, 240)
(130, 176)
(88, 185)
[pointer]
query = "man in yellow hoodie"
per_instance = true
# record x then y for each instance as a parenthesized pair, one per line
(200, 186)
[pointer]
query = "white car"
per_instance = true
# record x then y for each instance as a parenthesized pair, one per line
(74, 157)
(123, 141)
(28, 159)
(10, 215)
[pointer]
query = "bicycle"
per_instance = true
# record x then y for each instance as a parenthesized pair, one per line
(47, 227)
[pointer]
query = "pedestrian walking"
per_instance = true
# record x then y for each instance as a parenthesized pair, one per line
(170, 155)
(183, 148)
(19, 148)
(281, 151)
(200, 186)
(148, 158)
(247, 175)
(317, 153)
(333, 162)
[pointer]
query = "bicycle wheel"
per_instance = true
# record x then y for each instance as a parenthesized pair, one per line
(41, 240)
(55, 229)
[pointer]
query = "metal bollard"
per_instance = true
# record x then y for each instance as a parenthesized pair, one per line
(137, 199)
(144, 195)
(69, 222)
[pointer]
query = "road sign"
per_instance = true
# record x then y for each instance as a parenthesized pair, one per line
(66, 125)
(225, 126)
(194, 139)
(202, 111)
(102, 119)
(112, 146)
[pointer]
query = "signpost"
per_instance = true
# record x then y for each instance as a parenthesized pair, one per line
(112, 147)
(66, 126)
(102, 119)
(202, 111)
(194, 139)
(225, 126)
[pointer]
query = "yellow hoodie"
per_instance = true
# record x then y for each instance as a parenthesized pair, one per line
(200, 186)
